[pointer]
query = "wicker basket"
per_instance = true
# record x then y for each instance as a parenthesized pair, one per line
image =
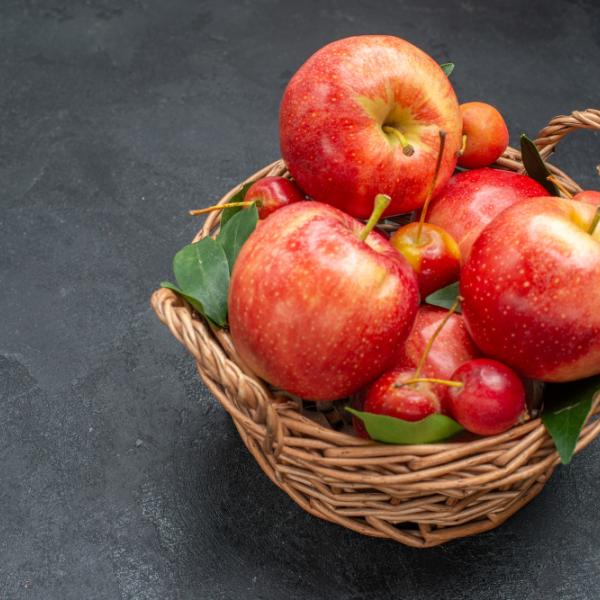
(419, 495)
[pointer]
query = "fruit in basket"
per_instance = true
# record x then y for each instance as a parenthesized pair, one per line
(431, 251)
(472, 199)
(272, 193)
(315, 310)
(531, 289)
(589, 197)
(452, 347)
(361, 116)
(486, 135)
(390, 395)
(491, 399)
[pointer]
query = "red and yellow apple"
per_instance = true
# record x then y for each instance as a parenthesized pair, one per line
(362, 116)
(472, 199)
(312, 308)
(531, 289)
(588, 196)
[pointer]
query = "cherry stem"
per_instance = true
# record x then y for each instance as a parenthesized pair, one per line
(436, 172)
(561, 188)
(463, 145)
(595, 221)
(382, 201)
(407, 148)
(202, 211)
(434, 336)
(448, 382)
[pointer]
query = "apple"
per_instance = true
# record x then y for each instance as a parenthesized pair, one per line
(389, 395)
(314, 309)
(452, 347)
(486, 135)
(589, 197)
(271, 193)
(472, 199)
(361, 116)
(531, 289)
(432, 253)
(491, 399)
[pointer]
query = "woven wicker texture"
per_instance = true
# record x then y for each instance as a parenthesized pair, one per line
(417, 495)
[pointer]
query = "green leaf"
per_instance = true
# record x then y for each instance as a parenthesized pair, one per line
(236, 231)
(567, 406)
(444, 297)
(447, 68)
(192, 301)
(202, 273)
(229, 212)
(383, 428)
(535, 166)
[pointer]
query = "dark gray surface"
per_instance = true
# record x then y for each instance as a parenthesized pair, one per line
(120, 475)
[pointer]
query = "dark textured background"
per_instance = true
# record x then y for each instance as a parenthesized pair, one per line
(120, 476)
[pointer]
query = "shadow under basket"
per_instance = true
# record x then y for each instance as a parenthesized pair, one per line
(421, 495)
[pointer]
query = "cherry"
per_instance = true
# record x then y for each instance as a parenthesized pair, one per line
(485, 135)
(491, 398)
(394, 395)
(271, 193)
(433, 254)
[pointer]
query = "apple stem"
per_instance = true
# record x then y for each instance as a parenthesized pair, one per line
(434, 336)
(382, 201)
(202, 211)
(561, 188)
(448, 382)
(407, 148)
(436, 172)
(463, 145)
(595, 221)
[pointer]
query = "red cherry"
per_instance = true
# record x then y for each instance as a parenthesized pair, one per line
(492, 398)
(412, 402)
(432, 253)
(271, 193)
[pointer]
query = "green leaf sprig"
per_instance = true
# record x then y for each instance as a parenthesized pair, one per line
(202, 270)
(564, 418)
(535, 166)
(445, 297)
(383, 428)
(447, 68)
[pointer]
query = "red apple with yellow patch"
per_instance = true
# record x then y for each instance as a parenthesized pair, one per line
(361, 117)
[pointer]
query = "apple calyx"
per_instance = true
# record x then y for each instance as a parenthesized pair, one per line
(202, 211)
(382, 201)
(407, 148)
(595, 221)
(561, 186)
(431, 187)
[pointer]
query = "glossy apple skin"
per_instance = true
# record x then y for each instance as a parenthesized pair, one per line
(331, 120)
(411, 402)
(271, 193)
(531, 289)
(472, 199)
(314, 310)
(491, 400)
(589, 197)
(435, 258)
(487, 135)
(451, 348)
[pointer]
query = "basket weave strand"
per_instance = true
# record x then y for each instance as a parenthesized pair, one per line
(421, 495)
